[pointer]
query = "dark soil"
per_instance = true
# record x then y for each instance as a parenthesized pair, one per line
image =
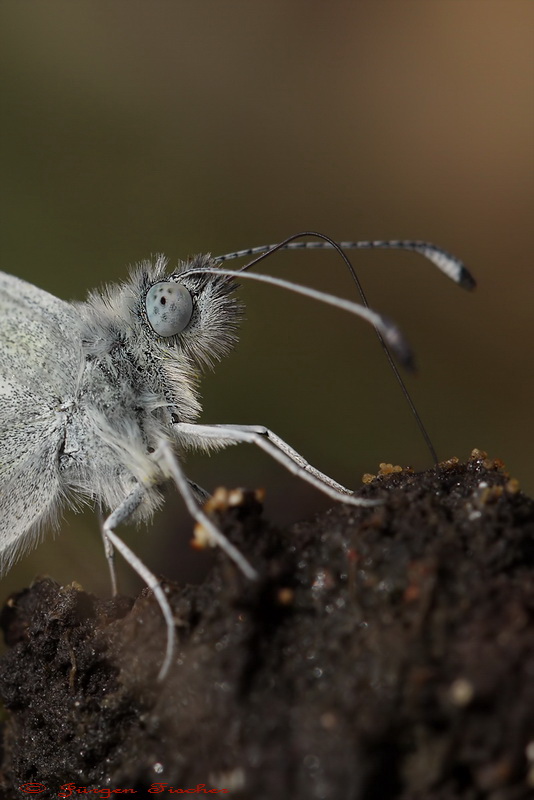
(385, 653)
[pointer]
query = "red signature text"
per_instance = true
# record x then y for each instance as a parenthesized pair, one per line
(71, 790)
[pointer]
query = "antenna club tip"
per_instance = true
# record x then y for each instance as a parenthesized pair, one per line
(466, 279)
(409, 363)
(396, 340)
(406, 356)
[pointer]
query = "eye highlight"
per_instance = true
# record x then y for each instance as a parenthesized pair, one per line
(169, 307)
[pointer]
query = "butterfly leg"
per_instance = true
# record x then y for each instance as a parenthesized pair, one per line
(110, 556)
(272, 444)
(170, 465)
(273, 438)
(201, 494)
(112, 541)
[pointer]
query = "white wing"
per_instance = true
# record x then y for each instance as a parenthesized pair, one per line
(39, 365)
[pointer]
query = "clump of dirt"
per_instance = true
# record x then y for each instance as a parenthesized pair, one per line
(386, 653)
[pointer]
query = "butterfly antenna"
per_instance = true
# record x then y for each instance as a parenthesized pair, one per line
(447, 263)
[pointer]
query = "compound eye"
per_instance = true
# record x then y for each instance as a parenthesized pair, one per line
(169, 308)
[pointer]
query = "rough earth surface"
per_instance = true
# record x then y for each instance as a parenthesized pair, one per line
(386, 653)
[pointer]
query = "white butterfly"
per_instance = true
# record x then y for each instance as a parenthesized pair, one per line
(99, 399)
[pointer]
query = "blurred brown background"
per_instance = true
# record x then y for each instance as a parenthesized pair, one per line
(130, 128)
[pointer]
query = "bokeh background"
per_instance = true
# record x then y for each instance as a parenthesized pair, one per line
(131, 128)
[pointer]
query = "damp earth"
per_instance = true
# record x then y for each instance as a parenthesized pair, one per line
(386, 653)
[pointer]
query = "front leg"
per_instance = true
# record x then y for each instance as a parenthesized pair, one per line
(223, 435)
(170, 466)
(111, 541)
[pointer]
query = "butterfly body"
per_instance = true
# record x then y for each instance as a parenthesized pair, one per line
(99, 400)
(89, 390)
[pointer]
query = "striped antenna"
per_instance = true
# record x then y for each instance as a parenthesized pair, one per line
(451, 266)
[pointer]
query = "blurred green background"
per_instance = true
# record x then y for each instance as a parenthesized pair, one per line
(130, 128)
